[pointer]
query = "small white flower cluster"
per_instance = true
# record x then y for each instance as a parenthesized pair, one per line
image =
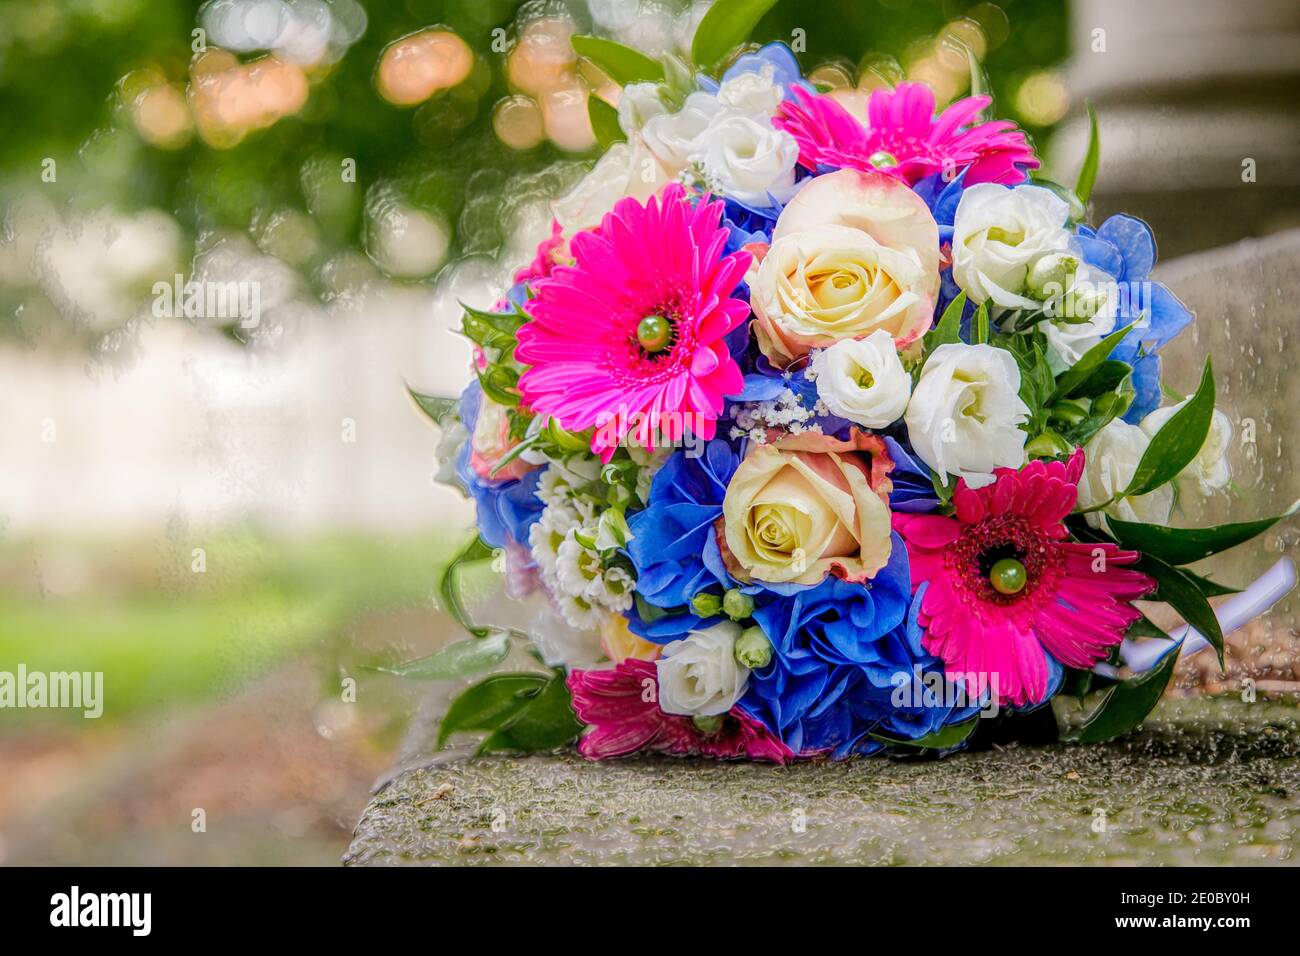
(574, 574)
(786, 412)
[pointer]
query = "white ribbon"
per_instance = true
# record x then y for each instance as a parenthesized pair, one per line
(1235, 612)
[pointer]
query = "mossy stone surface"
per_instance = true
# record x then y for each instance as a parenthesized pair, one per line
(1202, 782)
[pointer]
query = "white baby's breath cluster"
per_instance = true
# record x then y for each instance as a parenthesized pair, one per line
(786, 412)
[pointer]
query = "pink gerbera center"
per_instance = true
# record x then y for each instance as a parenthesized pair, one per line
(631, 339)
(984, 559)
(1006, 592)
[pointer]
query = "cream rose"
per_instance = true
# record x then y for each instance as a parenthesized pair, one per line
(756, 93)
(965, 414)
(998, 235)
(863, 380)
(853, 252)
(1110, 458)
(1208, 472)
(808, 505)
(699, 675)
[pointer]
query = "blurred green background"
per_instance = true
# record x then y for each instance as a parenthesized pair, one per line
(352, 154)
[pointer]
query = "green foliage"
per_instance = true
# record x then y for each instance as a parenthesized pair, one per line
(1185, 545)
(620, 63)
(944, 738)
(437, 409)
(1091, 159)
(1126, 704)
(1184, 595)
(726, 25)
(1075, 379)
(1178, 441)
(604, 123)
(520, 712)
(457, 660)
(449, 584)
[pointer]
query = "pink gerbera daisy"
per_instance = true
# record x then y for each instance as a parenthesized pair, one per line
(905, 139)
(624, 718)
(631, 339)
(1004, 587)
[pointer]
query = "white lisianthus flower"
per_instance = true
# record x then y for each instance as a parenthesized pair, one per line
(863, 380)
(699, 675)
(998, 234)
(1110, 458)
(675, 138)
(626, 169)
(637, 105)
(1208, 472)
(1069, 336)
(965, 414)
(745, 158)
(755, 93)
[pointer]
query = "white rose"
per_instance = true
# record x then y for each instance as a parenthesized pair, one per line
(747, 159)
(756, 93)
(1110, 459)
(637, 105)
(863, 380)
(1208, 472)
(675, 138)
(626, 169)
(998, 234)
(965, 413)
(699, 675)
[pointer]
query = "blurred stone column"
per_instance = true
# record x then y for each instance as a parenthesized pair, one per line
(1186, 92)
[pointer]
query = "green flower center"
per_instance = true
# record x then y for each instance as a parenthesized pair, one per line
(654, 333)
(1008, 576)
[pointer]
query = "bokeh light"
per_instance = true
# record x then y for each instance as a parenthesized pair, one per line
(419, 66)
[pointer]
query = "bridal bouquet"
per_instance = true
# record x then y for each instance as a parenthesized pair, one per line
(818, 434)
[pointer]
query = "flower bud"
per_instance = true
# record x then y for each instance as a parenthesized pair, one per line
(708, 723)
(1051, 275)
(706, 605)
(737, 605)
(753, 649)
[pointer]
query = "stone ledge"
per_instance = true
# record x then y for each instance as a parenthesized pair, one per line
(1203, 782)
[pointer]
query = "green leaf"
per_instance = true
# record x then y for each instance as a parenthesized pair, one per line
(545, 721)
(1127, 703)
(1091, 159)
(622, 64)
(449, 584)
(1106, 377)
(727, 25)
(457, 660)
(1185, 545)
(498, 383)
(1178, 441)
(942, 739)
(1181, 593)
(437, 409)
(1207, 587)
(981, 325)
(948, 329)
(1074, 377)
(604, 123)
(490, 703)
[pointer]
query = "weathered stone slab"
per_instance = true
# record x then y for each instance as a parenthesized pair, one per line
(1203, 782)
